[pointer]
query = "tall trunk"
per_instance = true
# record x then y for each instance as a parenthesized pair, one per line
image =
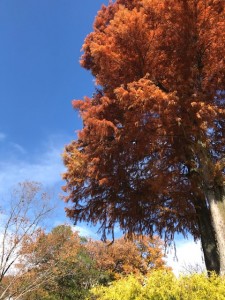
(211, 212)
(208, 239)
(216, 199)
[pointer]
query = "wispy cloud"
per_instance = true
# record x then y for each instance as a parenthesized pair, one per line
(18, 148)
(45, 167)
(2, 136)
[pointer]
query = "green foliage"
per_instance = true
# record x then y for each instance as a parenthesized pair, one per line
(163, 285)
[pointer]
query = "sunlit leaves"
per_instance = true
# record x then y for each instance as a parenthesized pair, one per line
(163, 285)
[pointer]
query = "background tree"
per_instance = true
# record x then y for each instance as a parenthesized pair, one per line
(61, 255)
(123, 257)
(150, 156)
(78, 264)
(21, 221)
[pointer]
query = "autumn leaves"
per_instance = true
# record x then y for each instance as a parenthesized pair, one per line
(153, 133)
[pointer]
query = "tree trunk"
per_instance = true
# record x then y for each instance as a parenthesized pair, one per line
(216, 199)
(211, 213)
(208, 239)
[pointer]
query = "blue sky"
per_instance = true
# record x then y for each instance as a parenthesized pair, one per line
(40, 75)
(39, 67)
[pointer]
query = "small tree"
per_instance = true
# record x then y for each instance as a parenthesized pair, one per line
(21, 220)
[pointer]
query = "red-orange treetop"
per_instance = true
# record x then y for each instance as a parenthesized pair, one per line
(153, 135)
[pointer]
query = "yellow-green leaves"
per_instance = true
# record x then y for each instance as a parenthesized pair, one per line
(162, 285)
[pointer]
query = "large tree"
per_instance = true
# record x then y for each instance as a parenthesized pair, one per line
(150, 156)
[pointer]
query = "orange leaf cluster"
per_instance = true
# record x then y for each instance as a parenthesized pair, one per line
(123, 257)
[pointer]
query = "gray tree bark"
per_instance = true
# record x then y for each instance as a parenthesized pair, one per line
(216, 200)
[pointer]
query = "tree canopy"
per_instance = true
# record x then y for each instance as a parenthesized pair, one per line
(150, 156)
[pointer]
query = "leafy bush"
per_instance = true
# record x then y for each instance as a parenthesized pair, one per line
(162, 285)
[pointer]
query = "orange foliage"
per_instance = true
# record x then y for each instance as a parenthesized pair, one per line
(44, 260)
(153, 136)
(124, 257)
(60, 245)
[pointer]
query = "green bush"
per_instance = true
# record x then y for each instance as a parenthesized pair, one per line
(161, 285)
